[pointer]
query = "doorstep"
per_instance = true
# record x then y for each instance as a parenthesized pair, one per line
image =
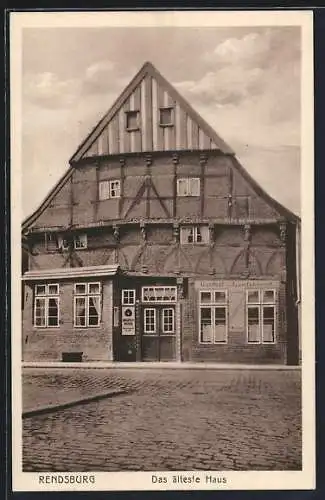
(157, 365)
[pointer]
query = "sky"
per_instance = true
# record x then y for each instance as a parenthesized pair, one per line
(244, 81)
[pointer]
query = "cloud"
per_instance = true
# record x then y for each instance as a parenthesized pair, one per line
(46, 89)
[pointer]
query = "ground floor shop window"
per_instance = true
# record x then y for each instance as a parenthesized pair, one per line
(260, 311)
(87, 304)
(213, 316)
(46, 305)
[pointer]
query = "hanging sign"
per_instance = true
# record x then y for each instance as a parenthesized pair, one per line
(128, 320)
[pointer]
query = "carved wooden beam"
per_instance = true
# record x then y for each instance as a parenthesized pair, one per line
(116, 233)
(283, 232)
(176, 233)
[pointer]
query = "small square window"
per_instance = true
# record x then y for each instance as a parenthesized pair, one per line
(166, 117)
(132, 120)
(80, 241)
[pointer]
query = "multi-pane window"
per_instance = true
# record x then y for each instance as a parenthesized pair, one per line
(150, 320)
(80, 241)
(109, 189)
(166, 117)
(128, 297)
(260, 307)
(63, 243)
(87, 304)
(194, 234)
(132, 120)
(188, 186)
(46, 305)
(159, 294)
(168, 320)
(213, 316)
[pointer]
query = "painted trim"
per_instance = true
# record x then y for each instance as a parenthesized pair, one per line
(66, 273)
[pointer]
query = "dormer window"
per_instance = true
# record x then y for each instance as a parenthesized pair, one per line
(166, 117)
(132, 120)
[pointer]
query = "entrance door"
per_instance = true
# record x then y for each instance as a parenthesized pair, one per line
(158, 333)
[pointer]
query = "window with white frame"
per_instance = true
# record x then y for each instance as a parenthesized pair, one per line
(188, 186)
(168, 320)
(150, 320)
(260, 314)
(159, 294)
(109, 189)
(46, 305)
(87, 304)
(213, 306)
(194, 234)
(63, 243)
(128, 297)
(80, 241)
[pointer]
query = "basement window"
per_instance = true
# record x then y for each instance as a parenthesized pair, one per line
(166, 118)
(132, 120)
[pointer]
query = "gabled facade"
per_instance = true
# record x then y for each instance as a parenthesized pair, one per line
(158, 245)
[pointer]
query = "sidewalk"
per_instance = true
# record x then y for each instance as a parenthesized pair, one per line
(157, 365)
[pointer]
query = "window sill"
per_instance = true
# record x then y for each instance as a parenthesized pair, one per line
(133, 129)
(164, 125)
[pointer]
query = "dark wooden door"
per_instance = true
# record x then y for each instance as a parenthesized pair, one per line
(158, 334)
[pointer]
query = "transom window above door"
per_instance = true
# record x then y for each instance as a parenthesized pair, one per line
(188, 186)
(161, 294)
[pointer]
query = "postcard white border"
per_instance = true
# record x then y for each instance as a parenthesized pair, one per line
(126, 481)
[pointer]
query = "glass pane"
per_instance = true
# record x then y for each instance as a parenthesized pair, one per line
(80, 289)
(40, 289)
(53, 312)
(268, 296)
(115, 189)
(206, 330)
(220, 297)
(94, 287)
(80, 311)
(205, 297)
(220, 324)
(268, 324)
(93, 313)
(53, 289)
(253, 324)
(198, 235)
(220, 315)
(253, 297)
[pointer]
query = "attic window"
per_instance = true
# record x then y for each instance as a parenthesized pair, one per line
(132, 120)
(166, 118)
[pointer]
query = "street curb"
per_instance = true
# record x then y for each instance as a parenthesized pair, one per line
(70, 404)
(158, 366)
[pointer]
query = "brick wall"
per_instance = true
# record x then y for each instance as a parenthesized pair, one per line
(237, 348)
(49, 343)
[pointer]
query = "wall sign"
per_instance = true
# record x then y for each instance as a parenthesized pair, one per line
(128, 320)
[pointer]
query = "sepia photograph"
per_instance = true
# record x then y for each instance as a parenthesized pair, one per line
(162, 171)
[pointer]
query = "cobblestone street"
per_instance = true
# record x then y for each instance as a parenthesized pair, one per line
(170, 420)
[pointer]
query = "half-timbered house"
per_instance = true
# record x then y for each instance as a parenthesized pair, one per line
(157, 245)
